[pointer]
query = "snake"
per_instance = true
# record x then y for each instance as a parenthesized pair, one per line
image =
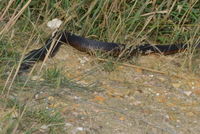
(90, 46)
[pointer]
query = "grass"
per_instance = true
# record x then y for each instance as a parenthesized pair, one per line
(23, 24)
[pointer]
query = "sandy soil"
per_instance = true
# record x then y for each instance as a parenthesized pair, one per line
(128, 100)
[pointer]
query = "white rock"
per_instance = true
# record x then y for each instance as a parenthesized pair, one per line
(44, 127)
(54, 24)
(83, 60)
(78, 129)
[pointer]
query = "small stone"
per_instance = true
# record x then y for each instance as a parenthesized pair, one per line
(83, 60)
(79, 128)
(151, 75)
(136, 103)
(44, 127)
(54, 24)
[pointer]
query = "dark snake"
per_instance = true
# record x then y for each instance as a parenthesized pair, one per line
(82, 44)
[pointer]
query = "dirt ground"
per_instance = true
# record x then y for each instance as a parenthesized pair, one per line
(127, 100)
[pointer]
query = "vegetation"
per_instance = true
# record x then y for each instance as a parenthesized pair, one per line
(132, 22)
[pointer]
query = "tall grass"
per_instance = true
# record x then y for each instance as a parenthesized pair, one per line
(23, 22)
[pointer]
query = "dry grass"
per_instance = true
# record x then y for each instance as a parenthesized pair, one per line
(153, 94)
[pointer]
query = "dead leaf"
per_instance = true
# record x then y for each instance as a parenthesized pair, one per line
(75, 106)
(122, 118)
(161, 99)
(99, 98)
(188, 93)
(171, 104)
(190, 114)
(114, 94)
(197, 92)
(138, 70)
(172, 117)
(176, 85)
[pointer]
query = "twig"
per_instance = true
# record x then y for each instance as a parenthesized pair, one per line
(148, 69)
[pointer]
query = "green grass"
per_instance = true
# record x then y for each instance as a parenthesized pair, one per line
(44, 116)
(53, 77)
(127, 22)
(18, 115)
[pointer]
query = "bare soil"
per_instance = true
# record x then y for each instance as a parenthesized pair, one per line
(127, 100)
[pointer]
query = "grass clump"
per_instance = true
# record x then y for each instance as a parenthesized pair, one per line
(54, 76)
(128, 22)
(44, 116)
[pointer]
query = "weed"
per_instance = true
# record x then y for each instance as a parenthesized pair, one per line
(128, 22)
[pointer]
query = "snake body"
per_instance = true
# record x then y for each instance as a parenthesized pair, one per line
(82, 44)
